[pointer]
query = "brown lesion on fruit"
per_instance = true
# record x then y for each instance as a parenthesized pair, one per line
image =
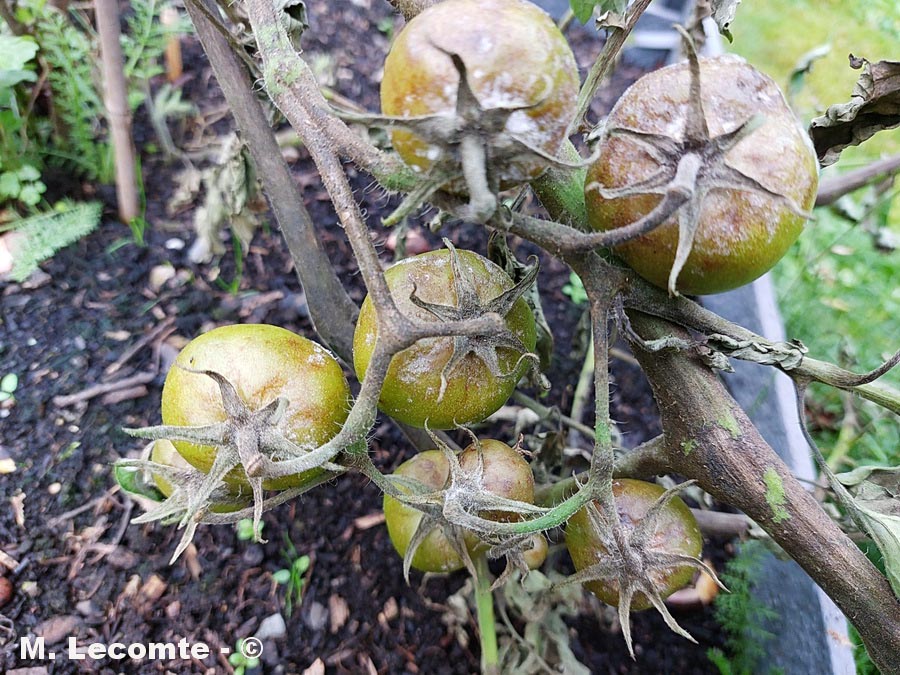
(470, 306)
(698, 154)
(632, 565)
(459, 509)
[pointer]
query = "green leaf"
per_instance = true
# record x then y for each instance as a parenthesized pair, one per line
(46, 233)
(282, 576)
(9, 383)
(9, 184)
(10, 78)
(15, 52)
(31, 194)
(301, 564)
(583, 9)
(28, 173)
(132, 481)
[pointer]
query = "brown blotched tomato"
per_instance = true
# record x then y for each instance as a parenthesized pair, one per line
(515, 58)
(423, 385)
(675, 531)
(504, 473)
(262, 363)
(752, 195)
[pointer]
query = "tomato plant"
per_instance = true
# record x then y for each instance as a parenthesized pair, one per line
(673, 531)
(495, 468)
(447, 381)
(751, 192)
(262, 363)
(516, 61)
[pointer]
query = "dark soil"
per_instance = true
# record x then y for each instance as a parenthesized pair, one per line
(84, 571)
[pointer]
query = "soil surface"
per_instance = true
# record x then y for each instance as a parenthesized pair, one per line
(106, 309)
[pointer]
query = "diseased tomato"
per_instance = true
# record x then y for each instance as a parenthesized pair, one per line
(515, 58)
(504, 473)
(751, 196)
(675, 531)
(263, 363)
(423, 384)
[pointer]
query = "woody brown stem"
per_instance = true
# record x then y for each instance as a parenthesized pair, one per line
(729, 459)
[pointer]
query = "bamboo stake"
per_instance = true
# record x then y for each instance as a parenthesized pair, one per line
(115, 94)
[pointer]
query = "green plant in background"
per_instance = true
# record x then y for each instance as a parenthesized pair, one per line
(46, 233)
(293, 576)
(742, 616)
(244, 530)
(242, 663)
(8, 385)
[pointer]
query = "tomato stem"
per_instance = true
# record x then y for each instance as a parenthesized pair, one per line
(487, 626)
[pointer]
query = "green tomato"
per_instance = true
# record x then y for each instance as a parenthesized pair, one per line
(164, 452)
(263, 363)
(505, 473)
(413, 383)
(677, 532)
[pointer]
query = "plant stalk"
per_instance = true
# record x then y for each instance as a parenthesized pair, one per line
(484, 608)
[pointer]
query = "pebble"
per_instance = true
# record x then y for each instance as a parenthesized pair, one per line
(272, 628)
(317, 616)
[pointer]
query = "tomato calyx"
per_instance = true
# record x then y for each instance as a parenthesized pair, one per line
(470, 306)
(694, 165)
(247, 438)
(459, 510)
(473, 144)
(632, 561)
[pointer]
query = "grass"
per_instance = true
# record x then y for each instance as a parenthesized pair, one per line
(838, 292)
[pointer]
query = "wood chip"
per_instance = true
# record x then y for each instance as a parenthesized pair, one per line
(389, 612)
(366, 662)
(192, 560)
(368, 521)
(338, 612)
(317, 668)
(18, 507)
(153, 589)
(8, 561)
(57, 628)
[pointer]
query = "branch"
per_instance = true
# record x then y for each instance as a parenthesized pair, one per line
(833, 188)
(709, 438)
(293, 88)
(332, 311)
(604, 64)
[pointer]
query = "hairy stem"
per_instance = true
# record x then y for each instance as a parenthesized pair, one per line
(484, 608)
(331, 310)
(603, 66)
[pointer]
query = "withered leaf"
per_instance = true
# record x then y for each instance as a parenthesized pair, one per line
(874, 106)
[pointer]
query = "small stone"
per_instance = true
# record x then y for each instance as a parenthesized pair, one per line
(159, 275)
(272, 628)
(174, 244)
(54, 488)
(86, 608)
(317, 616)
